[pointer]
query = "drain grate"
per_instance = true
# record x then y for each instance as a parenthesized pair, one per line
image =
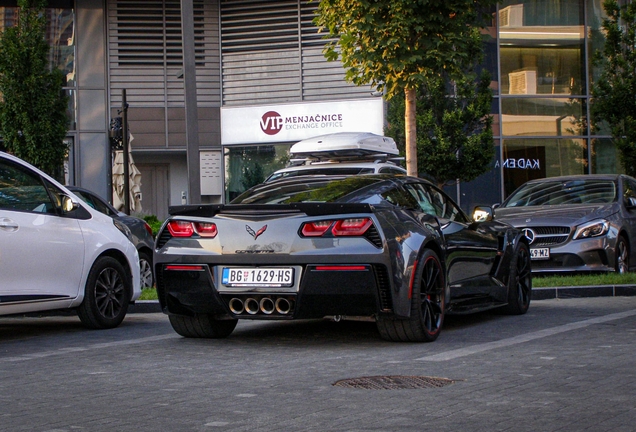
(395, 382)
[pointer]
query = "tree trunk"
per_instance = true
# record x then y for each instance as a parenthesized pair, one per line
(410, 132)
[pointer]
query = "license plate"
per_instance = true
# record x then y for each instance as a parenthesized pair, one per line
(258, 277)
(540, 253)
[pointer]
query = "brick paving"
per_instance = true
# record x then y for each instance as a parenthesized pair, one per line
(567, 365)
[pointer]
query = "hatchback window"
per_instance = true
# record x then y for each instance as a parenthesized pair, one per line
(22, 191)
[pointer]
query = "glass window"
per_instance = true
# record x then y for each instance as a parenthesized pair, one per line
(23, 191)
(401, 198)
(629, 190)
(605, 157)
(60, 34)
(423, 198)
(541, 47)
(444, 206)
(311, 190)
(529, 159)
(246, 166)
(485, 189)
(543, 116)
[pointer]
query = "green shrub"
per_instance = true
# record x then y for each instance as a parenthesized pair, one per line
(154, 223)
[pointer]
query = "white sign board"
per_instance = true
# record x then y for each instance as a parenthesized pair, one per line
(211, 180)
(295, 122)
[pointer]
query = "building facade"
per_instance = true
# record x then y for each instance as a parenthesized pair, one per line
(263, 84)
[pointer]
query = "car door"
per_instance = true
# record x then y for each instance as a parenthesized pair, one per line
(629, 214)
(41, 252)
(470, 251)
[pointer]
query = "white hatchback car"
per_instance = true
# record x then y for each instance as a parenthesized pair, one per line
(58, 253)
(342, 153)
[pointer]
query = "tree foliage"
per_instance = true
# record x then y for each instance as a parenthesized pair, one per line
(401, 46)
(454, 138)
(33, 119)
(613, 93)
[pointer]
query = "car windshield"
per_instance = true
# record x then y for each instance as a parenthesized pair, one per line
(563, 193)
(324, 190)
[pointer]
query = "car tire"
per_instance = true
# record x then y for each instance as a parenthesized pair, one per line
(202, 326)
(145, 268)
(519, 282)
(106, 295)
(427, 305)
(622, 255)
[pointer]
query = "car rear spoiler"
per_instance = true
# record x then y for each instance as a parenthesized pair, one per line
(310, 209)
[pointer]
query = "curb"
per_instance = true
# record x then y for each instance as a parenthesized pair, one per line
(543, 293)
(583, 291)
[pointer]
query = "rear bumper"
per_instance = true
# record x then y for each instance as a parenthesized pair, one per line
(354, 290)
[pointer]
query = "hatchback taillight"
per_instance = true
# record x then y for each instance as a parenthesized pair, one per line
(179, 228)
(336, 228)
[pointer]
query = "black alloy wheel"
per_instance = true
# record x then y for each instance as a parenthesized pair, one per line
(519, 282)
(427, 305)
(106, 296)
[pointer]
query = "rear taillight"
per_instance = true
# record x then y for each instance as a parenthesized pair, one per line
(206, 229)
(351, 227)
(180, 228)
(315, 229)
(336, 228)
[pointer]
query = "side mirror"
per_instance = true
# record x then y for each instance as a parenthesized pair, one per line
(482, 214)
(68, 204)
(630, 203)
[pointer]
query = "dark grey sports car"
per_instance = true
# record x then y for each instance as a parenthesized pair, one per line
(392, 247)
(576, 223)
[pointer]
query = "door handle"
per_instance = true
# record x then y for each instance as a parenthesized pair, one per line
(7, 224)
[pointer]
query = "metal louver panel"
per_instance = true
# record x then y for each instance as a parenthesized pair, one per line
(145, 52)
(271, 52)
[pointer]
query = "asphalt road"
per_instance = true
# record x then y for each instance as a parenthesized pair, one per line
(567, 365)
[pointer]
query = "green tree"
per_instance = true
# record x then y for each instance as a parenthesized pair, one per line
(33, 119)
(400, 46)
(454, 139)
(613, 93)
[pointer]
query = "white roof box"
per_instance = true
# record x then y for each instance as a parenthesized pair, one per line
(345, 144)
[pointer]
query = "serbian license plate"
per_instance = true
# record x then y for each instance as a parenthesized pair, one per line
(540, 253)
(259, 277)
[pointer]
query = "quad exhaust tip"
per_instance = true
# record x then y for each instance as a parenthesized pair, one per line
(266, 306)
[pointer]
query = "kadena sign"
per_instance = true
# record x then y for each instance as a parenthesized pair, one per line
(295, 122)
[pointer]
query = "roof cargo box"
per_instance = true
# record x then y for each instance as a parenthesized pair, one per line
(345, 144)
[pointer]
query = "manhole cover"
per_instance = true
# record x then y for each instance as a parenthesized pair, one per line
(395, 382)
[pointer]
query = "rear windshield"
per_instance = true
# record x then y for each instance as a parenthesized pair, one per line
(563, 193)
(317, 190)
(321, 171)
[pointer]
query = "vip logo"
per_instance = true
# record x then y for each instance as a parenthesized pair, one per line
(253, 233)
(271, 123)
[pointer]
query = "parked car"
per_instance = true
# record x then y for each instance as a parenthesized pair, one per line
(141, 232)
(580, 223)
(342, 153)
(392, 247)
(58, 253)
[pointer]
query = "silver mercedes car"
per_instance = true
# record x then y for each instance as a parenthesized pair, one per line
(580, 223)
